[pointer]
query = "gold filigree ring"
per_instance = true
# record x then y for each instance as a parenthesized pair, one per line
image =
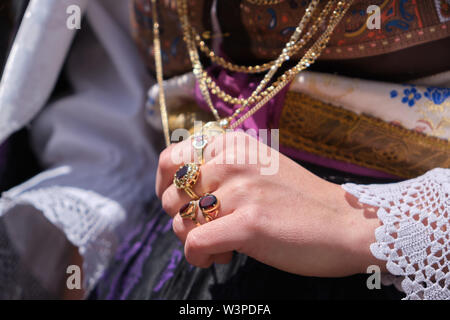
(186, 177)
(189, 211)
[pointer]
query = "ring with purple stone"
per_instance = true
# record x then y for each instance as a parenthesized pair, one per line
(186, 177)
(209, 205)
(189, 211)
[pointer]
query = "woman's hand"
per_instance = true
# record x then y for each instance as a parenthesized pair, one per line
(291, 220)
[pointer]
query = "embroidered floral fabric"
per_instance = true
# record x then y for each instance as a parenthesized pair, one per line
(414, 237)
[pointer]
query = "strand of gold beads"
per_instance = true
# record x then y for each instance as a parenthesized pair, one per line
(159, 73)
(265, 2)
(195, 59)
(266, 66)
(198, 68)
(304, 63)
(215, 89)
(272, 90)
(278, 62)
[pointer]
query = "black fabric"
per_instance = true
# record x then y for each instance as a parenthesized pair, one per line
(140, 276)
(11, 13)
(20, 162)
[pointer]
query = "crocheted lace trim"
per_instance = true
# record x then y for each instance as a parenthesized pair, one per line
(415, 232)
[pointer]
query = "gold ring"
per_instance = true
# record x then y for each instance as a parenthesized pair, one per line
(201, 138)
(209, 205)
(199, 142)
(186, 177)
(191, 193)
(189, 211)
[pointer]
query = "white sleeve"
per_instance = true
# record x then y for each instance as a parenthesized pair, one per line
(100, 167)
(414, 236)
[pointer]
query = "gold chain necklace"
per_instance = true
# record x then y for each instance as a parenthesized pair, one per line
(266, 66)
(205, 81)
(264, 2)
(311, 55)
(291, 50)
(309, 58)
(202, 76)
(159, 74)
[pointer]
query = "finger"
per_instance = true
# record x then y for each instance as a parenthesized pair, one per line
(181, 227)
(178, 154)
(219, 236)
(170, 161)
(210, 178)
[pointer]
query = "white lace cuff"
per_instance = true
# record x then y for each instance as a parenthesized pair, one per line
(415, 232)
(87, 219)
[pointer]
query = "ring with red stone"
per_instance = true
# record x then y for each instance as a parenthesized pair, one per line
(186, 177)
(209, 205)
(189, 211)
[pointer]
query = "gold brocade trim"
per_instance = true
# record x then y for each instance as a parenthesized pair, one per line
(314, 126)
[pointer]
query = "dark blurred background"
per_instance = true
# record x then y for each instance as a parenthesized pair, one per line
(11, 13)
(17, 162)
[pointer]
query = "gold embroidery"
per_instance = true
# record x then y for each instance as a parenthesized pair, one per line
(319, 128)
(435, 116)
(318, 85)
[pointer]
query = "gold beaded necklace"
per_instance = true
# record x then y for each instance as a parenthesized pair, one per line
(203, 78)
(266, 66)
(260, 96)
(265, 2)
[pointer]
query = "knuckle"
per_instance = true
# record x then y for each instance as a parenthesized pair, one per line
(243, 188)
(194, 250)
(249, 218)
(177, 227)
(164, 158)
(230, 170)
(211, 177)
(167, 203)
(193, 243)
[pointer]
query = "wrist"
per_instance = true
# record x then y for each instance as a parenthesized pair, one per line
(361, 221)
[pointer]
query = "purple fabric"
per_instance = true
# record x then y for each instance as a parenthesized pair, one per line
(177, 256)
(241, 85)
(125, 253)
(132, 255)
